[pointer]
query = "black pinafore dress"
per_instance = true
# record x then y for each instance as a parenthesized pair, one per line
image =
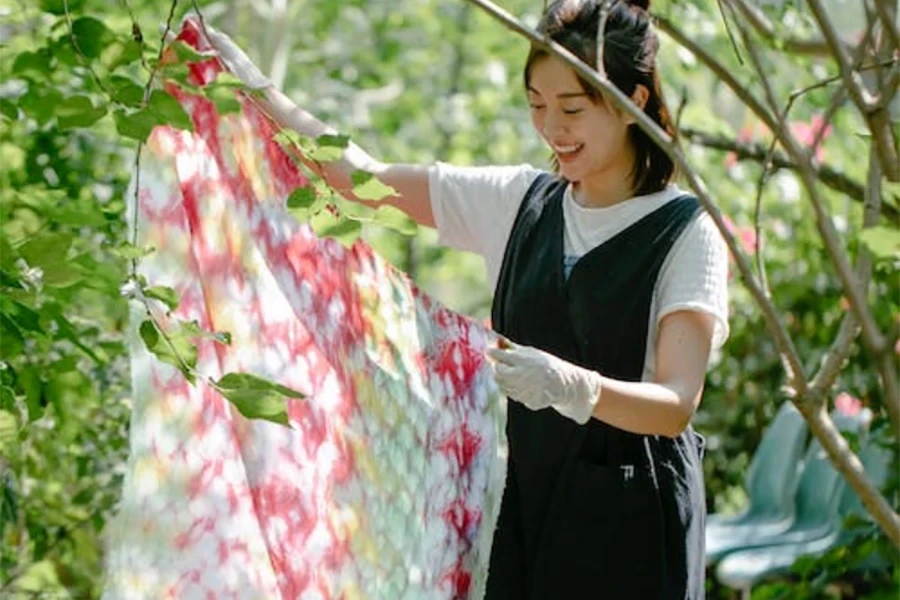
(592, 511)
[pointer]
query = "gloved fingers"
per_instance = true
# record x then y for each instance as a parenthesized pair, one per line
(506, 379)
(501, 356)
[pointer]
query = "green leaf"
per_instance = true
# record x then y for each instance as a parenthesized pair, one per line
(32, 65)
(13, 342)
(78, 111)
(169, 111)
(58, 7)
(136, 125)
(327, 147)
(193, 329)
(176, 72)
(186, 53)
(288, 137)
(367, 187)
(344, 230)
(9, 109)
(257, 398)
(63, 274)
(7, 280)
(8, 432)
(224, 99)
(119, 53)
(46, 249)
(396, 219)
(249, 381)
(125, 91)
(24, 317)
(178, 351)
(164, 294)
(91, 36)
(302, 197)
(129, 251)
(40, 102)
(882, 241)
(226, 79)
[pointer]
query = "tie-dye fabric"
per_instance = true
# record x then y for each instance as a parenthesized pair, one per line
(387, 482)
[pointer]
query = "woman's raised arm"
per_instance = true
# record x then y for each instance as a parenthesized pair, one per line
(409, 181)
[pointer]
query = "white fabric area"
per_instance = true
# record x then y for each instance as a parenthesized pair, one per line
(475, 207)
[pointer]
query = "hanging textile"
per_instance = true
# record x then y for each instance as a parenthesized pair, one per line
(387, 482)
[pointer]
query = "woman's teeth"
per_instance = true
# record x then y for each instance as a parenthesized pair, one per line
(567, 151)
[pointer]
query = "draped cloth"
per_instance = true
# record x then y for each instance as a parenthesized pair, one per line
(387, 481)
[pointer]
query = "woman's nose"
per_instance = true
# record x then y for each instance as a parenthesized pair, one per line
(553, 126)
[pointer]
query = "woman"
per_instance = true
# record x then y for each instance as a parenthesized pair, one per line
(612, 285)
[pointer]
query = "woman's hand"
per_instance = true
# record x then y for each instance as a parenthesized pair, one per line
(236, 60)
(540, 380)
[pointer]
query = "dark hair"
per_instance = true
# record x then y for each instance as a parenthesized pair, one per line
(629, 58)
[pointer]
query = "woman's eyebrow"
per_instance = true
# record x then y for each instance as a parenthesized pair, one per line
(563, 95)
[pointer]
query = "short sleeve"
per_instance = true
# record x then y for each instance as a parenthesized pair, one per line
(474, 207)
(695, 276)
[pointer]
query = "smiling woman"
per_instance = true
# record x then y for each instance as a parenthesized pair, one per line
(610, 287)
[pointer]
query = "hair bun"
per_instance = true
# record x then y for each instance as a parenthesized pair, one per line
(644, 4)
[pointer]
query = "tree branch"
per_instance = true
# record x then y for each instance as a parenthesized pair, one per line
(764, 27)
(887, 14)
(723, 73)
(840, 349)
(756, 152)
(849, 465)
(876, 116)
(872, 336)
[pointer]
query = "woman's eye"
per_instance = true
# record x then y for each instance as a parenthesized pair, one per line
(573, 112)
(536, 106)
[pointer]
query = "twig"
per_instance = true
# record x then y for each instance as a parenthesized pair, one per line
(876, 116)
(85, 63)
(755, 151)
(723, 73)
(887, 14)
(764, 27)
(871, 334)
(605, 7)
(734, 45)
(849, 328)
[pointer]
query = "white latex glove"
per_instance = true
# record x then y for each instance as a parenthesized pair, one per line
(236, 60)
(540, 380)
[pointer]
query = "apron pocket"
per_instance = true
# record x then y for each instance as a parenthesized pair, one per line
(605, 536)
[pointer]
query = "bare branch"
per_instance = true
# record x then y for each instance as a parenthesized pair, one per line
(605, 7)
(840, 349)
(722, 72)
(871, 334)
(792, 363)
(764, 27)
(887, 14)
(876, 115)
(756, 152)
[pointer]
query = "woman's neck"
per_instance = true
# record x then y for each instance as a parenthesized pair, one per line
(595, 192)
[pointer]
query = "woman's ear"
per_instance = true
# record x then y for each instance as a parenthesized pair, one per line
(639, 96)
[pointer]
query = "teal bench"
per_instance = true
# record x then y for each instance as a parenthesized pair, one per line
(771, 482)
(745, 568)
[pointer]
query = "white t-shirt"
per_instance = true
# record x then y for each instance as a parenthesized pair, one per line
(475, 207)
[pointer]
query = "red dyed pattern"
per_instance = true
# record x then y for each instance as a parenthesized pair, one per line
(387, 482)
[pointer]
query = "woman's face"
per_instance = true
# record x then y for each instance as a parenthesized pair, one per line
(589, 139)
